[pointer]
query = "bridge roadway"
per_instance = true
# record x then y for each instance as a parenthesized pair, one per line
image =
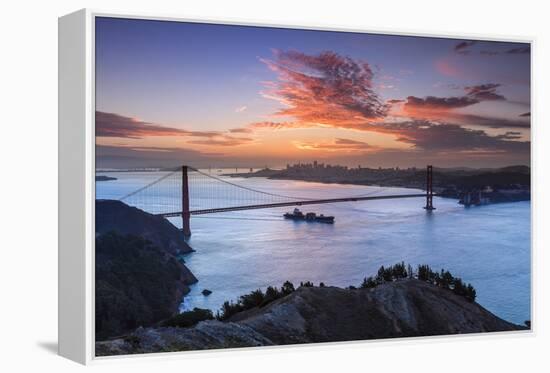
(292, 203)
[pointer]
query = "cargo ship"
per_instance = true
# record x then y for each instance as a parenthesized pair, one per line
(309, 217)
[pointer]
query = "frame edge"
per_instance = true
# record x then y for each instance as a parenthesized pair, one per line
(73, 229)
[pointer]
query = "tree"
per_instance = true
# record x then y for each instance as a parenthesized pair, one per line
(368, 282)
(425, 273)
(381, 275)
(287, 288)
(471, 293)
(229, 308)
(188, 318)
(253, 299)
(398, 271)
(446, 279)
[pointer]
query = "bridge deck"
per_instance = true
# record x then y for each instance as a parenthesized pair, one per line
(292, 203)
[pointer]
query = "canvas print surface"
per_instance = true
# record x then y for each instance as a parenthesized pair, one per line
(260, 186)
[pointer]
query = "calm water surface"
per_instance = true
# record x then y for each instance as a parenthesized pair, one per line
(237, 252)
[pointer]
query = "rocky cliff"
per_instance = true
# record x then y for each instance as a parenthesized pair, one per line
(402, 308)
(137, 284)
(117, 216)
(139, 278)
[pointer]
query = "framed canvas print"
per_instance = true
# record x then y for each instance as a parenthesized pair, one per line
(230, 185)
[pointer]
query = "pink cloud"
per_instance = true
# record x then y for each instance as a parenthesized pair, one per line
(324, 89)
(446, 68)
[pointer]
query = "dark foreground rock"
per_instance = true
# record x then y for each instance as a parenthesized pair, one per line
(137, 284)
(403, 308)
(116, 216)
(140, 279)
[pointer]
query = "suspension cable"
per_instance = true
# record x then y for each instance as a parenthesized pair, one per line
(147, 186)
(251, 189)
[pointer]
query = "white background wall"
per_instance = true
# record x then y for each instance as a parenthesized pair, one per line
(28, 187)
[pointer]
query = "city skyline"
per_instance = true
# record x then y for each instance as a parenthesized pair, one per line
(221, 95)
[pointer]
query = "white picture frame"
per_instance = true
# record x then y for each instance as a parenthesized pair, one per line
(77, 168)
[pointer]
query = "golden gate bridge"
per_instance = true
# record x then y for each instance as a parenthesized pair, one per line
(189, 191)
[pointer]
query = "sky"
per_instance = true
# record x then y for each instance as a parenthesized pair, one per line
(171, 93)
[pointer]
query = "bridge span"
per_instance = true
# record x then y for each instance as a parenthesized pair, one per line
(286, 204)
(177, 192)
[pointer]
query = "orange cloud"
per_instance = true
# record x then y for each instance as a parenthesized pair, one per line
(241, 130)
(280, 125)
(324, 89)
(223, 141)
(339, 145)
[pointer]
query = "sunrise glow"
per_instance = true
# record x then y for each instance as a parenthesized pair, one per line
(248, 96)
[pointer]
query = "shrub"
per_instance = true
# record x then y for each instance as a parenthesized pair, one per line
(229, 308)
(391, 273)
(368, 282)
(132, 339)
(471, 293)
(287, 288)
(398, 271)
(253, 299)
(425, 272)
(271, 294)
(188, 318)
(443, 279)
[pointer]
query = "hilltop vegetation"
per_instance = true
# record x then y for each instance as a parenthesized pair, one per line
(398, 308)
(443, 279)
(259, 299)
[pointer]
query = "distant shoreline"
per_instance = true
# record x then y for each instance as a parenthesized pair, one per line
(509, 184)
(104, 178)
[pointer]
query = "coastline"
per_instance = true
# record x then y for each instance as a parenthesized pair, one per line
(310, 314)
(445, 191)
(186, 290)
